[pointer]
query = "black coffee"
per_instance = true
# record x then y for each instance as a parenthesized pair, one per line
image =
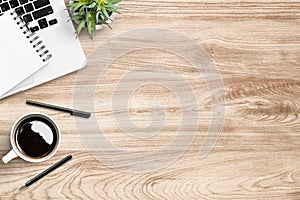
(36, 137)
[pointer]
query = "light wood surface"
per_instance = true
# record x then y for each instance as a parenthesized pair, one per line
(255, 45)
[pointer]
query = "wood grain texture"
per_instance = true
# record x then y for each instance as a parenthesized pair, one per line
(255, 45)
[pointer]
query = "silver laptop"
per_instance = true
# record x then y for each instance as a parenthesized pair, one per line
(50, 19)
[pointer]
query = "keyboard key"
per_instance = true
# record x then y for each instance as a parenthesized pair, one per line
(14, 3)
(34, 29)
(41, 3)
(42, 12)
(52, 22)
(20, 11)
(23, 1)
(27, 18)
(43, 23)
(4, 7)
(28, 7)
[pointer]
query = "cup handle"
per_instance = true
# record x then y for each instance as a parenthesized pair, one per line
(9, 156)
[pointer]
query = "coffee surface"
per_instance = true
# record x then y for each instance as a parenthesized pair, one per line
(36, 137)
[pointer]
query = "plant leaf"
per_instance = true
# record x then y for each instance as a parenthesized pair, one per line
(80, 26)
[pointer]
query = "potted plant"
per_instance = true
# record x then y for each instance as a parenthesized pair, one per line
(93, 14)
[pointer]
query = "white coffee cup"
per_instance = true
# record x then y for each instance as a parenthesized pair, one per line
(38, 128)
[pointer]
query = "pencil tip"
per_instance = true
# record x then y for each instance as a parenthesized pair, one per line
(21, 188)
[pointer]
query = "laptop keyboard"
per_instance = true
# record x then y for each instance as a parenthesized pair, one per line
(31, 11)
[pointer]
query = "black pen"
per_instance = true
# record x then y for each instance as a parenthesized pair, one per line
(47, 171)
(77, 113)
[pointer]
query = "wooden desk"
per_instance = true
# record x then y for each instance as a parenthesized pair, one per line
(255, 46)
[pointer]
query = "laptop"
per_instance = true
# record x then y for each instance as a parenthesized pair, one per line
(50, 19)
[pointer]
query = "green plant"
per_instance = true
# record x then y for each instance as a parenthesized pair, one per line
(89, 13)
